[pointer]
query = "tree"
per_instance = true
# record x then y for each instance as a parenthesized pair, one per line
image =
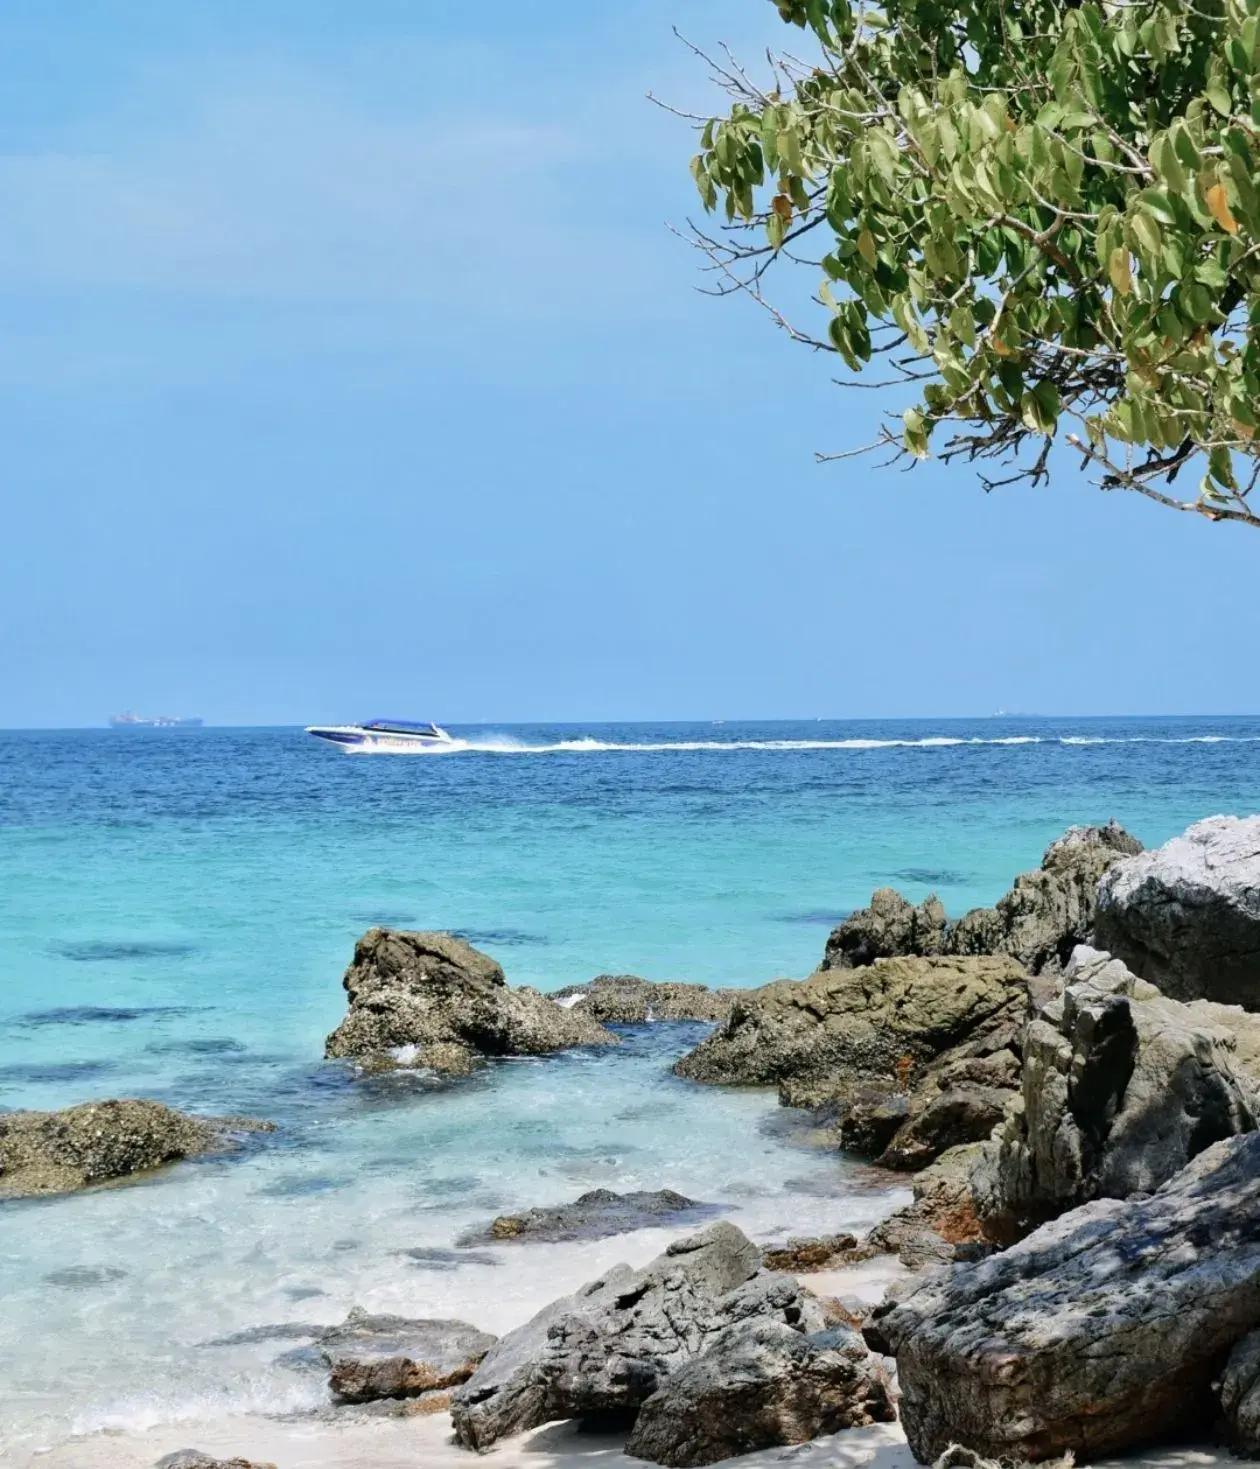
(1043, 215)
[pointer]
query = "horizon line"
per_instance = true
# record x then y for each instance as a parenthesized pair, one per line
(708, 720)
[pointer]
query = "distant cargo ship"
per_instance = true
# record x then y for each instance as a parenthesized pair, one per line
(128, 720)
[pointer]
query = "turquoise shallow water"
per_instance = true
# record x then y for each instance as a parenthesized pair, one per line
(177, 907)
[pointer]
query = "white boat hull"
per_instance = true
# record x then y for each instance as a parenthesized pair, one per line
(361, 739)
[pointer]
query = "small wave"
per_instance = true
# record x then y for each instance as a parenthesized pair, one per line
(1207, 739)
(142, 1412)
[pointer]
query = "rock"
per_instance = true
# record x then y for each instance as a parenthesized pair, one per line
(1048, 912)
(891, 927)
(1039, 922)
(941, 1225)
(374, 1357)
(872, 1117)
(604, 1350)
(960, 1099)
(195, 1459)
(625, 999)
(1239, 1393)
(1121, 1088)
(440, 995)
(800, 1256)
(58, 1152)
(418, 1407)
(1101, 1332)
(761, 1384)
(1243, 1026)
(594, 1215)
(827, 1037)
(1187, 915)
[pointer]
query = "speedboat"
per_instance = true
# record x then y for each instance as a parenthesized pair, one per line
(402, 736)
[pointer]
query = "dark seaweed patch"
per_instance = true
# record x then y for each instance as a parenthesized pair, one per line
(105, 950)
(433, 1258)
(823, 920)
(943, 875)
(54, 1071)
(220, 1045)
(280, 1331)
(78, 1277)
(97, 1015)
(301, 1188)
(504, 937)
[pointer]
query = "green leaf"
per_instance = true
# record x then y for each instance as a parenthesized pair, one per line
(963, 324)
(915, 432)
(1218, 96)
(866, 247)
(1047, 396)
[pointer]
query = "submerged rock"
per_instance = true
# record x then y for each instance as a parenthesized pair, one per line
(594, 1215)
(195, 1459)
(440, 995)
(1039, 922)
(96, 1142)
(625, 999)
(1187, 915)
(826, 1037)
(760, 1384)
(605, 1349)
(373, 1357)
(1122, 1087)
(1101, 1332)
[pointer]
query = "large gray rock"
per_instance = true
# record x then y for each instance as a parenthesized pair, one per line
(1039, 922)
(1239, 1392)
(58, 1152)
(1102, 1332)
(605, 1349)
(439, 995)
(1121, 1088)
(1187, 915)
(595, 1215)
(828, 1037)
(758, 1385)
(625, 999)
(371, 1357)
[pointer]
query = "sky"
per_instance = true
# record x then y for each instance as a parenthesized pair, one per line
(349, 366)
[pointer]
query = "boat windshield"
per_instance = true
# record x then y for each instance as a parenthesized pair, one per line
(400, 726)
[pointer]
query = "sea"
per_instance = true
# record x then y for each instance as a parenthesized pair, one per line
(177, 908)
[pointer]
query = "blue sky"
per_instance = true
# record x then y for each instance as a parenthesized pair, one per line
(347, 365)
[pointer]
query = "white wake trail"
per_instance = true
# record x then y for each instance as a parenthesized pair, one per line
(509, 745)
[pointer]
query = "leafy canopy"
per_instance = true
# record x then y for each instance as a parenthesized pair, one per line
(1044, 215)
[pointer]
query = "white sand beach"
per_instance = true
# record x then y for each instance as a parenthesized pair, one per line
(426, 1443)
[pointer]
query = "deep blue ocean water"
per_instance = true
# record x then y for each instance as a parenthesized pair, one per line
(177, 908)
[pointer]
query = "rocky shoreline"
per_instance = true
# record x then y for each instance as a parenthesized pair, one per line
(1070, 1079)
